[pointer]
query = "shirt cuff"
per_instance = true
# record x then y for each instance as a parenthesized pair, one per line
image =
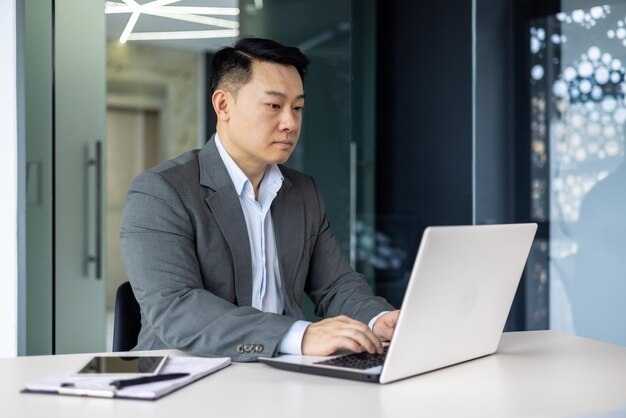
(291, 341)
(373, 320)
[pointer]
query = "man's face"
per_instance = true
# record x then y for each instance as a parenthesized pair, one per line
(265, 117)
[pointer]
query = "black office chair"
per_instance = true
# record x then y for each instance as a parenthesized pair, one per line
(127, 322)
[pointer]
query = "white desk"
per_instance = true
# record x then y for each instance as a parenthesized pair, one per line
(533, 374)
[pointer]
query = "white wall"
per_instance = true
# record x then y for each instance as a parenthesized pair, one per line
(8, 181)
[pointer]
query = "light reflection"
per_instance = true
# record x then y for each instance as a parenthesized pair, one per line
(585, 86)
(588, 97)
(616, 64)
(615, 77)
(559, 88)
(585, 69)
(609, 131)
(537, 36)
(620, 116)
(541, 34)
(587, 19)
(593, 129)
(535, 45)
(612, 148)
(569, 74)
(537, 72)
(609, 104)
(594, 53)
(596, 12)
(578, 16)
(601, 75)
(570, 190)
(596, 93)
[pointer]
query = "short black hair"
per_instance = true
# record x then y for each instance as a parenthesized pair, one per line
(232, 65)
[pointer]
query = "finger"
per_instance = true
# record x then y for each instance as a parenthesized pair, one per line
(393, 318)
(365, 338)
(337, 342)
(373, 338)
(356, 330)
(353, 335)
(383, 331)
(365, 331)
(323, 339)
(347, 343)
(386, 332)
(378, 346)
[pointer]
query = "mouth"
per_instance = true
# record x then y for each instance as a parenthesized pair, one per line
(284, 144)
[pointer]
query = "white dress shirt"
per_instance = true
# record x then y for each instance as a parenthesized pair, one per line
(267, 292)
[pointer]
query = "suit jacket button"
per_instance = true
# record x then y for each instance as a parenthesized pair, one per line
(240, 348)
(258, 348)
(247, 348)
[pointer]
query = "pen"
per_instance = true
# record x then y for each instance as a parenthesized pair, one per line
(119, 384)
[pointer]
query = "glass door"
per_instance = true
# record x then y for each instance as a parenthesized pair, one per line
(65, 134)
(79, 124)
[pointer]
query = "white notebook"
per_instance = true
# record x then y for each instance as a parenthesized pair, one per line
(197, 367)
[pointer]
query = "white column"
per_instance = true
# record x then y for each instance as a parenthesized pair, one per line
(8, 180)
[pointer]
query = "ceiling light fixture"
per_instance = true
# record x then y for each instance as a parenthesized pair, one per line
(204, 20)
(161, 8)
(186, 34)
(217, 11)
(129, 27)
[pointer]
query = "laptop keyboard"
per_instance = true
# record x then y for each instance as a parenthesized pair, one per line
(359, 361)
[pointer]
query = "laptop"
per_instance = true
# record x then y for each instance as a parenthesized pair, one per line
(454, 308)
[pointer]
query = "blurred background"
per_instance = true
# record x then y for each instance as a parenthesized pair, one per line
(417, 114)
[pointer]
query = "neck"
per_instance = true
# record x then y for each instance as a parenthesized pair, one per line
(256, 182)
(253, 171)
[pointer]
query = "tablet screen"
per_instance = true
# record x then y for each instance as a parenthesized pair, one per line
(123, 365)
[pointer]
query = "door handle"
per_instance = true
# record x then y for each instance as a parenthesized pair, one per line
(353, 197)
(96, 164)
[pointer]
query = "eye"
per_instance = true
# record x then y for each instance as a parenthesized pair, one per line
(299, 109)
(273, 106)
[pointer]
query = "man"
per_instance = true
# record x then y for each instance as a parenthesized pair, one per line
(221, 243)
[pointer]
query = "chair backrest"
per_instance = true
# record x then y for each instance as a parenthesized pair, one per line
(127, 323)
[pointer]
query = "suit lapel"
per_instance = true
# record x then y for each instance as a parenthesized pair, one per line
(224, 204)
(289, 230)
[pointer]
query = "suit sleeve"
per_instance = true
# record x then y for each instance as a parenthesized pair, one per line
(334, 287)
(158, 246)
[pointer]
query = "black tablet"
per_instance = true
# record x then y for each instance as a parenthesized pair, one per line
(122, 366)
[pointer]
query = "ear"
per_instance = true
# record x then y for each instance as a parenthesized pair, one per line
(220, 100)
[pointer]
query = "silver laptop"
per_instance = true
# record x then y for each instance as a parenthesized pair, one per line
(454, 309)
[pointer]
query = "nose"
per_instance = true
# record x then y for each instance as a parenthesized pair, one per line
(289, 120)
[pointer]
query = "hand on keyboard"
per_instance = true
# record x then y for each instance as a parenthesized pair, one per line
(360, 361)
(325, 337)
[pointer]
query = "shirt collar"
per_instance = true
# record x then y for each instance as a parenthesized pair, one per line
(273, 178)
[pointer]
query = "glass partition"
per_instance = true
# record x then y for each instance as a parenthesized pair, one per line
(578, 172)
(336, 144)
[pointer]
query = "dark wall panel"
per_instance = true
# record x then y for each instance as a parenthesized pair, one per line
(424, 124)
(495, 103)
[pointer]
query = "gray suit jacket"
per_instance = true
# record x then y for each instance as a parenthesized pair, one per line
(187, 255)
